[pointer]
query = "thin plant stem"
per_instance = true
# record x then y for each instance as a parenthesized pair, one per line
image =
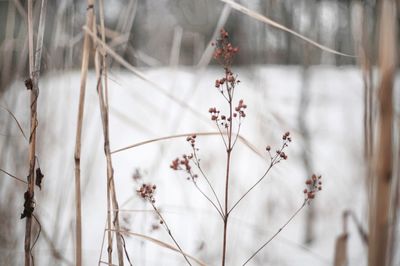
(228, 162)
(197, 163)
(161, 244)
(250, 189)
(78, 138)
(34, 73)
(202, 192)
(277, 232)
(274, 160)
(32, 144)
(237, 133)
(104, 74)
(169, 231)
(222, 135)
(107, 151)
(103, 239)
(37, 236)
(16, 121)
(13, 176)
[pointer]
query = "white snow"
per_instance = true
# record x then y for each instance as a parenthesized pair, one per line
(139, 112)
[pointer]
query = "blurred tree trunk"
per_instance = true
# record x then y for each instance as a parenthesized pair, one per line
(305, 134)
(287, 16)
(378, 254)
(316, 29)
(344, 39)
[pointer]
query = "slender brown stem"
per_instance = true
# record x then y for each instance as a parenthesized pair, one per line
(110, 170)
(34, 69)
(32, 143)
(104, 73)
(78, 141)
(228, 162)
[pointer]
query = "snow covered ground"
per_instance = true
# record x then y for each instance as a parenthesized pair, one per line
(139, 112)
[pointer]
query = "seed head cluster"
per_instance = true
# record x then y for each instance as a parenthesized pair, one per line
(192, 140)
(224, 51)
(280, 153)
(287, 137)
(314, 184)
(240, 109)
(182, 163)
(230, 80)
(146, 191)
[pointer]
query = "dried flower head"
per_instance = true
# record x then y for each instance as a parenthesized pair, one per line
(224, 51)
(146, 191)
(314, 184)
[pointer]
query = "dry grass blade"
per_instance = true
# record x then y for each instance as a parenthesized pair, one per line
(242, 139)
(111, 193)
(142, 76)
(78, 141)
(162, 244)
(272, 23)
(104, 67)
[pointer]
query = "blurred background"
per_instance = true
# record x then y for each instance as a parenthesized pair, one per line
(135, 31)
(331, 104)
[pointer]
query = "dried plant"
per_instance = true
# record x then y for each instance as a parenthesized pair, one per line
(228, 126)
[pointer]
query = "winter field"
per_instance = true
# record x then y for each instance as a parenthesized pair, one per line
(327, 101)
